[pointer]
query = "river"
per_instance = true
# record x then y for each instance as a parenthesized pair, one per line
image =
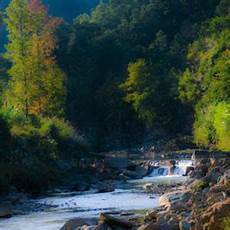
(127, 197)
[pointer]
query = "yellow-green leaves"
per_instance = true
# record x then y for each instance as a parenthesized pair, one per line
(37, 84)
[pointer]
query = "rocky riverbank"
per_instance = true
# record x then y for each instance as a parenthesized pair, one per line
(201, 203)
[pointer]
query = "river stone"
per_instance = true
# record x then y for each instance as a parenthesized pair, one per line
(116, 222)
(189, 170)
(78, 223)
(169, 198)
(212, 217)
(151, 216)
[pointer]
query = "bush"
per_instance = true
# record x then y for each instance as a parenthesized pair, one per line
(212, 126)
(37, 146)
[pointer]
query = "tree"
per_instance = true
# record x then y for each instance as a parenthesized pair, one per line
(17, 51)
(205, 84)
(37, 84)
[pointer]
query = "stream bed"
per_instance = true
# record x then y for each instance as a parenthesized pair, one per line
(64, 206)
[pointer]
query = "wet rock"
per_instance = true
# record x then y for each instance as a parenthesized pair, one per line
(172, 163)
(171, 198)
(151, 216)
(78, 223)
(172, 170)
(189, 171)
(114, 221)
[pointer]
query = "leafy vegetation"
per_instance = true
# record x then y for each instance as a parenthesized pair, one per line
(121, 72)
(206, 83)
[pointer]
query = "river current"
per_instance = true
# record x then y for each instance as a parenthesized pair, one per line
(129, 197)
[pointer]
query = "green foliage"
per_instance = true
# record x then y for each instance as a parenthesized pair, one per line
(199, 185)
(136, 91)
(127, 71)
(36, 83)
(96, 51)
(205, 84)
(31, 149)
(213, 125)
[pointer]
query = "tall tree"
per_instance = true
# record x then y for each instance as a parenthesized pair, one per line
(17, 51)
(37, 84)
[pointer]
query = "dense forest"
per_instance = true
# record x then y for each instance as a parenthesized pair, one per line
(111, 77)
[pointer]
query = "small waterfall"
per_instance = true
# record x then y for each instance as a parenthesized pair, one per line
(160, 171)
(179, 169)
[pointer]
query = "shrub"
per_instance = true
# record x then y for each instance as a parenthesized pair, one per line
(36, 147)
(212, 126)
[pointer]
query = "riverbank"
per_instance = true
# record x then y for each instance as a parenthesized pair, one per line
(52, 210)
(200, 203)
(149, 195)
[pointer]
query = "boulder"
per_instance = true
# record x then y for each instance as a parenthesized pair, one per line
(78, 223)
(212, 218)
(225, 179)
(172, 163)
(151, 216)
(172, 170)
(189, 170)
(114, 221)
(171, 198)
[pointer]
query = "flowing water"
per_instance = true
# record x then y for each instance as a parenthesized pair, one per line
(65, 206)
